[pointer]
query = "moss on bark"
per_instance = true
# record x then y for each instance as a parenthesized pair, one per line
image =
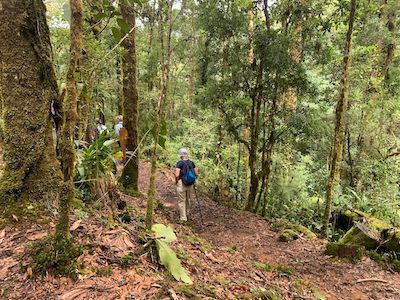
(369, 232)
(349, 251)
(29, 91)
(288, 235)
(130, 174)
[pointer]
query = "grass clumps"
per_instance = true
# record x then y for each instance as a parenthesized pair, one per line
(188, 291)
(264, 266)
(284, 270)
(280, 268)
(55, 254)
(264, 294)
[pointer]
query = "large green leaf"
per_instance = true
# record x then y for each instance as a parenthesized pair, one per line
(164, 233)
(318, 295)
(163, 127)
(161, 141)
(116, 33)
(123, 25)
(171, 262)
(99, 16)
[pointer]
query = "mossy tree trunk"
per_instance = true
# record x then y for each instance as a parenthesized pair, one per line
(391, 16)
(67, 150)
(130, 99)
(341, 109)
(165, 41)
(29, 96)
(254, 117)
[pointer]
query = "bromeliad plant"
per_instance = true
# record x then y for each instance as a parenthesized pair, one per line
(95, 166)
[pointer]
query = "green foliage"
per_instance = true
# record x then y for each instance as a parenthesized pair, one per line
(351, 252)
(163, 236)
(264, 294)
(386, 260)
(279, 268)
(232, 249)
(97, 159)
(55, 254)
(318, 295)
(209, 100)
(288, 235)
(264, 266)
(94, 163)
(283, 269)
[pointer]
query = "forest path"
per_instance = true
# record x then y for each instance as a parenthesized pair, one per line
(254, 240)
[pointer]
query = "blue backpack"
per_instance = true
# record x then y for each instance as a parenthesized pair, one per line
(190, 177)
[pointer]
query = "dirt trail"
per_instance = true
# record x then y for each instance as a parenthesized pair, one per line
(254, 240)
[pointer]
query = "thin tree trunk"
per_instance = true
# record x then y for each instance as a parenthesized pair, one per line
(151, 66)
(238, 175)
(29, 95)
(267, 162)
(266, 172)
(391, 48)
(253, 156)
(68, 130)
(255, 130)
(130, 174)
(166, 61)
(341, 110)
(121, 89)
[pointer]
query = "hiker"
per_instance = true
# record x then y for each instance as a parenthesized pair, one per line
(118, 127)
(99, 129)
(186, 173)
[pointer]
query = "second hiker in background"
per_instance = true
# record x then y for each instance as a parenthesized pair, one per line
(118, 127)
(185, 177)
(99, 129)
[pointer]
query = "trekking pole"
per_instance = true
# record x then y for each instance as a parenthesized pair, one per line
(198, 204)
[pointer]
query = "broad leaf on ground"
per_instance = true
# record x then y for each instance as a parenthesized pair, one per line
(171, 262)
(164, 233)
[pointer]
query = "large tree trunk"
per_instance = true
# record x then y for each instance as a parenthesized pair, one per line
(165, 39)
(67, 150)
(341, 110)
(29, 90)
(130, 105)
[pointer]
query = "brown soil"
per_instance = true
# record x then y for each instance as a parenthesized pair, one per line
(223, 258)
(254, 239)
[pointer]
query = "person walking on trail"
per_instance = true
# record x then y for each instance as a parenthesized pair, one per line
(185, 177)
(99, 129)
(118, 127)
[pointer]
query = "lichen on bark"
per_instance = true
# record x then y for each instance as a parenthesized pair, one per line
(130, 174)
(29, 98)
